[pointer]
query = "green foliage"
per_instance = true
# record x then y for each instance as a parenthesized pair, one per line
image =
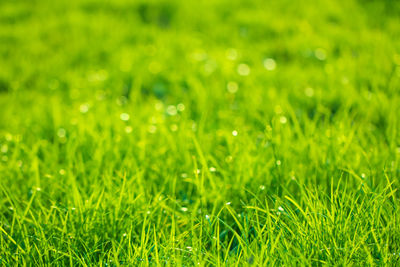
(199, 133)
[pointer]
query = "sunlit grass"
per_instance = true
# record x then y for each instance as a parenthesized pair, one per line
(219, 133)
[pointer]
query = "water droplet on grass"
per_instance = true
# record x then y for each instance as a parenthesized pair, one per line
(9, 137)
(4, 148)
(231, 54)
(243, 69)
(180, 107)
(128, 129)
(269, 64)
(234, 133)
(320, 54)
(232, 87)
(171, 110)
(84, 108)
(228, 159)
(124, 116)
(309, 91)
(61, 133)
(159, 106)
(152, 129)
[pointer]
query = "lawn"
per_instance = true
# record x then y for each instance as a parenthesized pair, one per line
(199, 133)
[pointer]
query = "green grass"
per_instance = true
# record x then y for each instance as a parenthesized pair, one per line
(185, 133)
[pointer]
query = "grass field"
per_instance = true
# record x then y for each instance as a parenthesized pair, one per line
(199, 133)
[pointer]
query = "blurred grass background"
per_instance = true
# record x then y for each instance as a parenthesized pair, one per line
(112, 105)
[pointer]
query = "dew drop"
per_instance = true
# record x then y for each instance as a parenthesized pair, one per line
(309, 91)
(84, 108)
(171, 110)
(320, 54)
(231, 54)
(128, 129)
(4, 148)
(124, 116)
(269, 64)
(61, 133)
(243, 69)
(232, 87)
(152, 129)
(180, 107)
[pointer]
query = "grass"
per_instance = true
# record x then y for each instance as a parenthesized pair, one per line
(181, 133)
